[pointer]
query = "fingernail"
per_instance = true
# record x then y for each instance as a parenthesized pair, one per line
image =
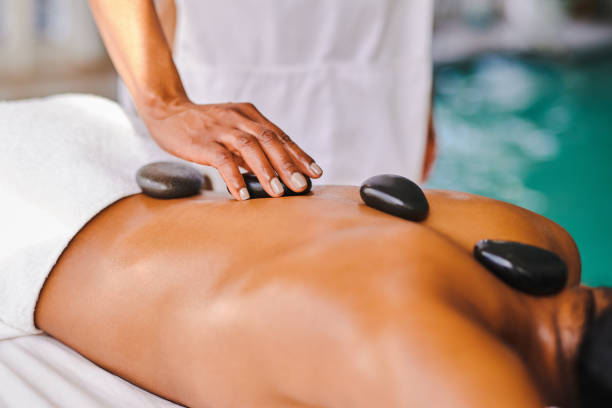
(316, 169)
(298, 180)
(277, 187)
(244, 194)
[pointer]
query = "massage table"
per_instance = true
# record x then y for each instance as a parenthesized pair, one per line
(38, 371)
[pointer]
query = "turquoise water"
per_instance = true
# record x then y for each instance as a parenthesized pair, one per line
(536, 133)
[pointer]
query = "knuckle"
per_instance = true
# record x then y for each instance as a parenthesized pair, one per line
(224, 159)
(224, 114)
(244, 141)
(248, 106)
(233, 116)
(287, 164)
(285, 138)
(267, 136)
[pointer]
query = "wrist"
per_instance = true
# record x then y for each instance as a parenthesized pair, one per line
(159, 105)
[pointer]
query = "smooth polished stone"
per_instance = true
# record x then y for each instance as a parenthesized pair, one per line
(169, 180)
(256, 190)
(395, 195)
(530, 269)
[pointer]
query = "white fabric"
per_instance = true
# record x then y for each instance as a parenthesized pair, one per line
(348, 80)
(38, 371)
(62, 160)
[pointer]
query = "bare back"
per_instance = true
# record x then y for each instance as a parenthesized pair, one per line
(258, 277)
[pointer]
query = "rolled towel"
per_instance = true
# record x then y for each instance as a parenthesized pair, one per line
(62, 160)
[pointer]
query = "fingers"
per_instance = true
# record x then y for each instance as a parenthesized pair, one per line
(223, 160)
(250, 150)
(237, 135)
(304, 162)
(280, 159)
(242, 164)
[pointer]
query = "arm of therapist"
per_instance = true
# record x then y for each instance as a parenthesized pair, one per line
(225, 136)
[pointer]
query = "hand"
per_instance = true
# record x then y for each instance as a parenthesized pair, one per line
(224, 136)
(229, 136)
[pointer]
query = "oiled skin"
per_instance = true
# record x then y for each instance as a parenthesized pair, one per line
(315, 301)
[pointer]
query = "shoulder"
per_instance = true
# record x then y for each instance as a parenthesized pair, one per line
(468, 218)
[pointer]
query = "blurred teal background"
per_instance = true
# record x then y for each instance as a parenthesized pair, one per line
(536, 132)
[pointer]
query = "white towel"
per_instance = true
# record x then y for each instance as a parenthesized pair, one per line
(62, 160)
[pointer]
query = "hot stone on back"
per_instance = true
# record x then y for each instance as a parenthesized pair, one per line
(530, 269)
(256, 190)
(395, 195)
(169, 180)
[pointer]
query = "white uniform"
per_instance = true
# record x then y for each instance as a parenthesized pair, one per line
(348, 80)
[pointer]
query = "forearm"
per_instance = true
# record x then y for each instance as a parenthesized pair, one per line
(224, 136)
(138, 48)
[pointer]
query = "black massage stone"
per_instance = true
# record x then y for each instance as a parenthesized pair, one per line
(395, 195)
(256, 190)
(530, 269)
(169, 180)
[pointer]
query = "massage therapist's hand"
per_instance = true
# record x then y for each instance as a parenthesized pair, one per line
(230, 135)
(225, 136)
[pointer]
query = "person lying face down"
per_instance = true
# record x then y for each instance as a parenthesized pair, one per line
(320, 301)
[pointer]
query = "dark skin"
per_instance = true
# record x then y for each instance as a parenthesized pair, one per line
(317, 301)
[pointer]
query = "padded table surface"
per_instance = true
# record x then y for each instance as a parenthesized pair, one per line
(39, 371)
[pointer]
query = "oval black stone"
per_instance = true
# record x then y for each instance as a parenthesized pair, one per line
(530, 269)
(395, 195)
(169, 180)
(256, 190)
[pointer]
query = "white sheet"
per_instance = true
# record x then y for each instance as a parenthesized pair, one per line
(38, 372)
